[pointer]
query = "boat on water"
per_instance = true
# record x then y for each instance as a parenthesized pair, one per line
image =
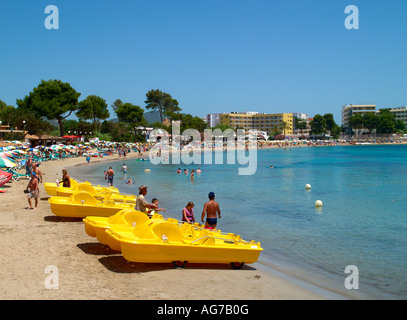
(163, 241)
(82, 204)
(98, 192)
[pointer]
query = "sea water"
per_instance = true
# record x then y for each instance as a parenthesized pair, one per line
(362, 223)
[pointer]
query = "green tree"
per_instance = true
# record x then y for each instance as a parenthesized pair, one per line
(130, 113)
(161, 101)
(301, 125)
(356, 122)
(70, 125)
(17, 118)
(116, 104)
(387, 122)
(188, 121)
(318, 125)
(106, 127)
(93, 108)
(330, 122)
(400, 126)
(370, 121)
(7, 113)
(53, 99)
(336, 131)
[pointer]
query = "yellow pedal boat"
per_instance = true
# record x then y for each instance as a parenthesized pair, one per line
(51, 188)
(126, 218)
(98, 192)
(82, 204)
(130, 219)
(160, 241)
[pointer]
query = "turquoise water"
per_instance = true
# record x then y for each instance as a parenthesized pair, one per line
(362, 222)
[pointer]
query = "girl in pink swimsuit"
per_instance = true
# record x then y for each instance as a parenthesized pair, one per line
(188, 213)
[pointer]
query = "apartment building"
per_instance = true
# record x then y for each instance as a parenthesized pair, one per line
(251, 120)
(400, 114)
(213, 119)
(352, 109)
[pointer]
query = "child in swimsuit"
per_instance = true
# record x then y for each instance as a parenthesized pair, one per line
(188, 213)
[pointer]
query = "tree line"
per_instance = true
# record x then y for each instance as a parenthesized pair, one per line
(57, 100)
(384, 122)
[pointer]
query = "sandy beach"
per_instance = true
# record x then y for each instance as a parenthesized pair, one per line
(32, 240)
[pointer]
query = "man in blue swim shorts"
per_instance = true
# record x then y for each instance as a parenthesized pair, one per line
(212, 210)
(110, 175)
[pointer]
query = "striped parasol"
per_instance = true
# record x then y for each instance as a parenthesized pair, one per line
(6, 163)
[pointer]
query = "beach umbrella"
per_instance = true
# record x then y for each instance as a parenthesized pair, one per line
(6, 163)
(8, 154)
(4, 177)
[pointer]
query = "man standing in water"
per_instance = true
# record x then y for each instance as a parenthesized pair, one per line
(109, 175)
(211, 208)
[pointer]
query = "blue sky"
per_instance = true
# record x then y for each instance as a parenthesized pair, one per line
(212, 56)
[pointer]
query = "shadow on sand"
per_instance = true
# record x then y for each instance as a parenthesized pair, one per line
(115, 262)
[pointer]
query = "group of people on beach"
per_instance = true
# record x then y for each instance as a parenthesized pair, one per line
(33, 191)
(211, 209)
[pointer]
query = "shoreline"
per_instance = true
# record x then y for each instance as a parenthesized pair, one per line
(36, 239)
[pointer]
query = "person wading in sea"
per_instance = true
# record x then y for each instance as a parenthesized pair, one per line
(211, 208)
